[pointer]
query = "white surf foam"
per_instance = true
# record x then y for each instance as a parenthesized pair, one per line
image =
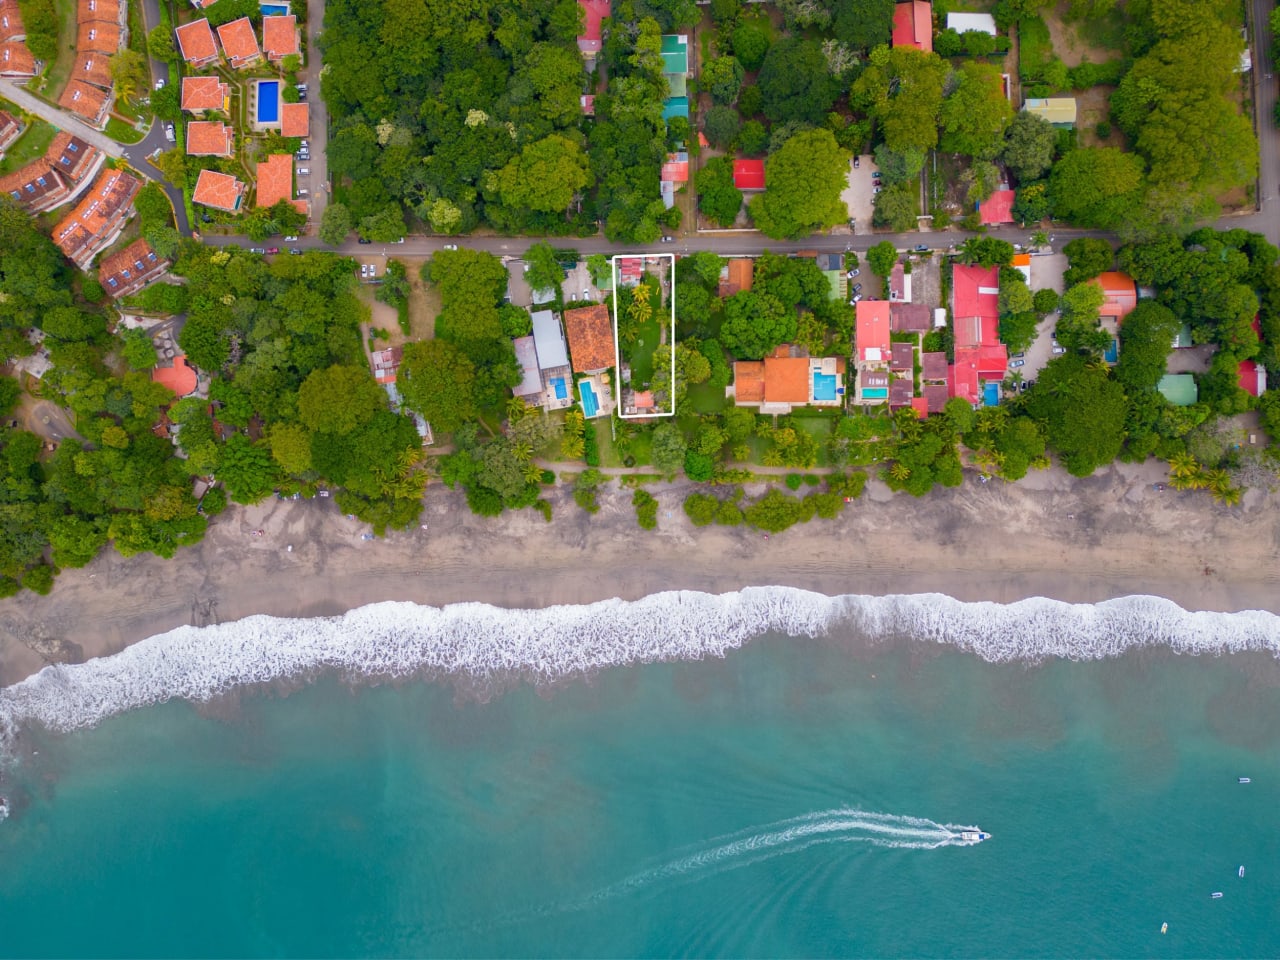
(397, 640)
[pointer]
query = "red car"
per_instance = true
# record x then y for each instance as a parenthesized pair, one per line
(273, 249)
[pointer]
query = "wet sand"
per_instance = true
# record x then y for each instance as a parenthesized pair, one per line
(1050, 535)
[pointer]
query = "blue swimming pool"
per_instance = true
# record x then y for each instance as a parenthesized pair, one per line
(990, 394)
(824, 386)
(875, 393)
(1113, 352)
(274, 9)
(559, 386)
(589, 405)
(268, 101)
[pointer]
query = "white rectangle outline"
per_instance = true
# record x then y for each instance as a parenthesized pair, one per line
(617, 341)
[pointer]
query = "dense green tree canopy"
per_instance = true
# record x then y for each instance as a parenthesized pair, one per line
(902, 89)
(1083, 411)
(1097, 186)
(338, 399)
(803, 183)
(718, 198)
(1029, 146)
(755, 323)
(975, 115)
(438, 380)
(795, 83)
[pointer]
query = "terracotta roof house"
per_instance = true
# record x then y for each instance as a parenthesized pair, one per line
(909, 317)
(1253, 378)
(295, 120)
(872, 333)
(902, 357)
(962, 378)
(997, 208)
(901, 393)
(748, 174)
(786, 379)
(72, 157)
(16, 60)
(98, 218)
(218, 190)
(913, 25)
(100, 11)
(239, 43)
(210, 138)
(86, 100)
(736, 276)
(130, 269)
(11, 25)
(975, 292)
(10, 129)
(1121, 294)
(98, 38)
(748, 382)
(275, 180)
(588, 104)
(92, 68)
(933, 366)
(178, 377)
(204, 93)
(594, 11)
(280, 37)
(676, 169)
(196, 43)
(590, 334)
(936, 396)
(36, 187)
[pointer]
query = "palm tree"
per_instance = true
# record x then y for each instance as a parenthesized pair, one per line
(1183, 465)
(1218, 482)
(1229, 497)
(1039, 238)
(900, 471)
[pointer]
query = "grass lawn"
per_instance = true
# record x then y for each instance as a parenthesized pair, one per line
(707, 398)
(58, 72)
(33, 143)
(604, 441)
(119, 130)
(820, 428)
(641, 352)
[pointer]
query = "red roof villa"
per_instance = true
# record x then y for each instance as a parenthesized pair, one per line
(97, 219)
(218, 190)
(280, 37)
(913, 25)
(997, 208)
(239, 43)
(130, 269)
(204, 93)
(975, 312)
(748, 174)
(295, 120)
(196, 43)
(86, 100)
(593, 13)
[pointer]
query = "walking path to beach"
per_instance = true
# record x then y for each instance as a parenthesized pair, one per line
(1050, 535)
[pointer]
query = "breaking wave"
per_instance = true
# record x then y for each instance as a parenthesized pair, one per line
(388, 641)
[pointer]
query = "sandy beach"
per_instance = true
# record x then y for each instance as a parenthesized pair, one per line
(1051, 535)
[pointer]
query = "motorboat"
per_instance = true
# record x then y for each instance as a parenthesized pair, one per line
(1217, 894)
(1164, 927)
(4, 808)
(1245, 780)
(974, 836)
(1241, 873)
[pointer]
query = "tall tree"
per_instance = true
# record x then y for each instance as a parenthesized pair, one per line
(438, 381)
(803, 183)
(976, 113)
(902, 90)
(795, 82)
(1030, 142)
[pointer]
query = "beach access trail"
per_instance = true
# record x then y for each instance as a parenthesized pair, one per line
(1050, 535)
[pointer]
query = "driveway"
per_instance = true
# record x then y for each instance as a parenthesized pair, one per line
(318, 180)
(858, 195)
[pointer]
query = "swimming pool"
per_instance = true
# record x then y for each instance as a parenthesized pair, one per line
(990, 393)
(274, 9)
(875, 393)
(589, 405)
(1113, 352)
(268, 101)
(558, 385)
(824, 386)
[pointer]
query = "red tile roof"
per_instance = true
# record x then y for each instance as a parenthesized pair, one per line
(179, 378)
(913, 25)
(210, 138)
(975, 292)
(204, 93)
(748, 381)
(239, 42)
(903, 357)
(71, 156)
(934, 366)
(872, 333)
(195, 40)
(594, 11)
(129, 269)
(962, 380)
(16, 60)
(275, 180)
(1253, 378)
(280, 37)
(675, 171)
(900, 393)
(738, 276)
(295, 120)
(98, 216)
(36, 187)
(997, 208)
(98, 38)
(11, 25)
(748, 174)
(102, 11)
(909, 317)
(92, 68)
(10, 128)
(590, 334)
(786, 380)
(1120, 291)
(921, 405)
(993, 361)
(219, 190)
(936, 397)
(86, 100)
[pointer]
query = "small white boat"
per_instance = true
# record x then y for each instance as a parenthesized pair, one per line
(4, 808)
(1217, 895)
(1245, 780)
(1241, 870)
(974, 836)
(1164, 927)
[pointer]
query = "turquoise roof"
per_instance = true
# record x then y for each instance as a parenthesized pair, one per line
(675, 107)
(675, 53)
(1179, 389)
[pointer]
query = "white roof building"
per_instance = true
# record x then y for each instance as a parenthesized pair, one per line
(964, 22)
(549, 341)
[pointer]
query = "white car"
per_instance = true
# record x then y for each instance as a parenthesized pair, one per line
(454, 246)
(160, 84)
(1059, 350)
(290, 239)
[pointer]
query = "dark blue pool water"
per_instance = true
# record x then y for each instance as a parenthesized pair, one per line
(268, 101)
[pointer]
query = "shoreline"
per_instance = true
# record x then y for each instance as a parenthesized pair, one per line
(1052, 535)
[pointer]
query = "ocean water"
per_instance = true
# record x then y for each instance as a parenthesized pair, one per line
(799, 791)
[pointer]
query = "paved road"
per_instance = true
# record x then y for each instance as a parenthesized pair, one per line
(318, 181)
(1264, 89)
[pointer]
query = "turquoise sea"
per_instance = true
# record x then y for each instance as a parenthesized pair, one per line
(795, 798)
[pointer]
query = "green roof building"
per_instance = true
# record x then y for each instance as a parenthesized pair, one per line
(1179, 389)
(675, 107)
(675, 53)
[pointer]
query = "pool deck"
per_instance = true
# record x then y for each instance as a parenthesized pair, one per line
(603, 392)
(548, 399)
(254, 87)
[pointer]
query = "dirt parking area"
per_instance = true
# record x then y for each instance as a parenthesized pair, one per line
(1191, 359)
(1047, 271)
(578, 285)
(926, 282)
(859, 195)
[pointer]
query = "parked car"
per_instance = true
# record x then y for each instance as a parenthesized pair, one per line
(1059, 350)
(363, 240)
(169, 134)
(304, 145)
(401, 240)
(921, 248)
(273, 250)
(857, 288)
(160, 84)
(450, 246)
(290, 239)
(304, 171)
(364, 271)
(302, 96)
(1016, 363)
(856, 298)
(257, 250)
(295, 251)
(668, 239)
(857, 161)
(303, 191)
(876, 188)
(854, 273)
(1019, 356)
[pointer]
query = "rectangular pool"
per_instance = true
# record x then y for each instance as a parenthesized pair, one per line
(990, 394)
(274, 9)
(824, 386)
(875, 393)
(268, 101)
(589, 405)
(558, 385)
(1113, 352)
